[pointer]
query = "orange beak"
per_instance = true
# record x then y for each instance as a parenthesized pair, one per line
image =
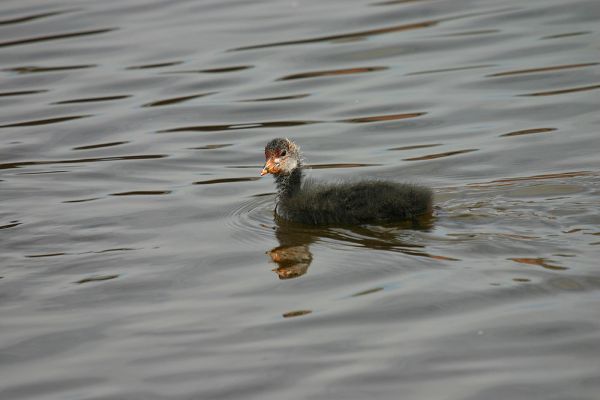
(269, 168)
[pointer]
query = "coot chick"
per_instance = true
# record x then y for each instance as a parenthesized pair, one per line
(355, 202)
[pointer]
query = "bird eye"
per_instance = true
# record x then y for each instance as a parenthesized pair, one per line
(283, 153)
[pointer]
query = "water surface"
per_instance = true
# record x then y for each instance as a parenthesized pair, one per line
(139, 256)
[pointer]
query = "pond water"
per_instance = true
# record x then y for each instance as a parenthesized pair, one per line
(139, 256)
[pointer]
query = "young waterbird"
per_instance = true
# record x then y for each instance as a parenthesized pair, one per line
(355, 202)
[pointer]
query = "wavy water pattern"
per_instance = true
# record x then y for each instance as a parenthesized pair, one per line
(142, 255)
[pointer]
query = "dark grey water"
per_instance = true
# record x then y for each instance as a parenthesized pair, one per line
(139, 258)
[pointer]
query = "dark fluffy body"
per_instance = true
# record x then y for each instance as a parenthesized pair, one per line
(355, 203)
(343, 203)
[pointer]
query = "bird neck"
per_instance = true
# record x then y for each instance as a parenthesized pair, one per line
(289, 185)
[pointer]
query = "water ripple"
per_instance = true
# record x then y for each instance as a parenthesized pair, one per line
(97, 278)
(560, 175)
(528, 131)
(563, 91)
(437, 71)
(296, 313)
(36, 69)
(394, 2)
(81, 200)
(226, 69)
(343, 36)
(12, 224)
(47, 121)
(283, 124)
(440, 155)
(279, 98)
(378, 118)
(333, 72)
(142, 193)
(212, 146)
(32, 17)
(372, 32)
(176, 100)
(414, 147)
(230, 127)
(214, 70)
(570, 34)
(21, 93)
(20, 164)
(253, 219)
(93, 99)
(45, 255)
(56, 37)
(228, 180)
(543, 69)
(156, 65)
(548, 264)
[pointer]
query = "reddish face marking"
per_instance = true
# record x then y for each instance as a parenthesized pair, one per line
(273, 153)
(271, 166)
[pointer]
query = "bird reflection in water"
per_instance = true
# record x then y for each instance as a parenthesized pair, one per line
(293, 256)
(292, 261)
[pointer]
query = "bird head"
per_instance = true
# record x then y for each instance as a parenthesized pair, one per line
(282, 156)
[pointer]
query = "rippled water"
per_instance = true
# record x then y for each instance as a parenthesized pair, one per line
(139, 254)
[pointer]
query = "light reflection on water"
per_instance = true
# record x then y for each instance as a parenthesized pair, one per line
(140, 257)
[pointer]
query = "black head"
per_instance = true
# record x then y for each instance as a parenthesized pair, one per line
(282, 156)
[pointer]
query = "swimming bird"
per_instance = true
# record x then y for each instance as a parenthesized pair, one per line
(343, 203)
